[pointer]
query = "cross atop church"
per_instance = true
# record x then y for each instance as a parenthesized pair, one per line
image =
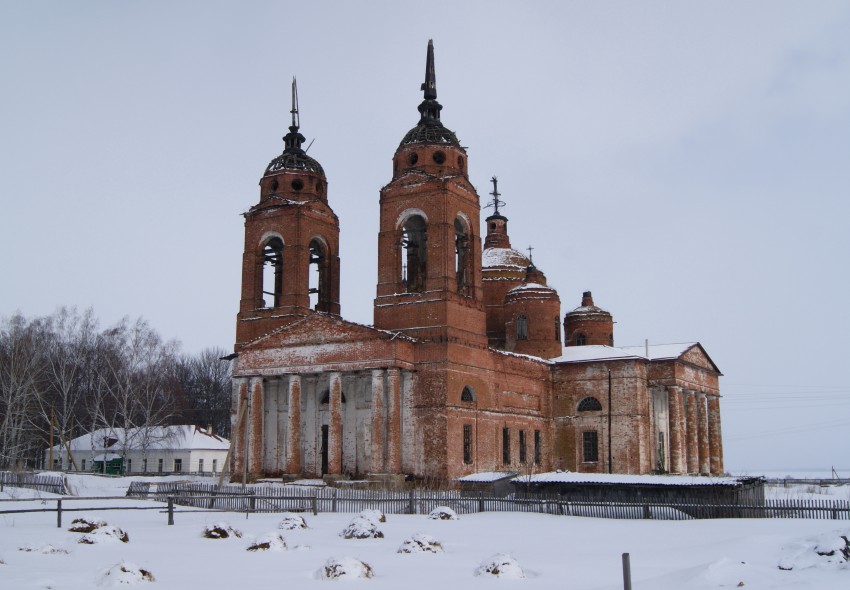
(530, 250)
(495, 203)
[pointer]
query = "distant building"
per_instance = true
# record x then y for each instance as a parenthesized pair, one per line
(166, 449)
(468, 367)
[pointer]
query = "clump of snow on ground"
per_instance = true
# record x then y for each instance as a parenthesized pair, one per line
(421, 543)
(85, 524)
(442, 513)
(374, 515)
(46, 549)
(105, 534)
(825, 550)
(345, 567)
(268, 542)
(501, 566)
(124, 574)
(221, 530)
(292, 522)
(361, 528)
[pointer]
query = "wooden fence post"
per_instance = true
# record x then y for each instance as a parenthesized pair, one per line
(481, 501)
(411, 509)
(59, 513)
(627, 572)
(315, 502)
(170, 510)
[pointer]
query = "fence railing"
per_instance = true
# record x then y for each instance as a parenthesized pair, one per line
(292, 499)
(43, 482)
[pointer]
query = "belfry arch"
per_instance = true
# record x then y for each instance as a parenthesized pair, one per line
(414, 253)
(271, 262)
(319, 275)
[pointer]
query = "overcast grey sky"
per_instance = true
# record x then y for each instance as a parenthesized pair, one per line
(688, 162)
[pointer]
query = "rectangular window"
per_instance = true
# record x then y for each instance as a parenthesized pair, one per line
(84, 465)
(145, 465)
(178, 465)
(506, 446)
(522, 447)
(159, 466)
(590, 446)
(200, 465)
(537, 449)
(467, 443)
(215, 466)
(129, 466)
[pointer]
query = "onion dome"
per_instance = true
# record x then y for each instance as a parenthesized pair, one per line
(503, 264)
(430, 129)
(588, 324)
(294, 158)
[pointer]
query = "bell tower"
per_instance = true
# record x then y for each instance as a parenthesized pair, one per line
(429, 247)
(290, 265)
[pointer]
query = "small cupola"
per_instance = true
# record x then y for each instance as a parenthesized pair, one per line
(588, 324)
(532, 317)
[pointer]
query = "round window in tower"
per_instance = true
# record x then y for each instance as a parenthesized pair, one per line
(297, 184)
(439, 157)
(412, 159)
(319, 186)
(273, 185)
(460, 162)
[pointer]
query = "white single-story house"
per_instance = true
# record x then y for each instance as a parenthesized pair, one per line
(160, 449)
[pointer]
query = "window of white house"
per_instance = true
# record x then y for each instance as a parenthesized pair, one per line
(178, 465)
(159, 466)
(200, 465)
(83, 465)
(215, 466)
(145, 465)
(129, 466)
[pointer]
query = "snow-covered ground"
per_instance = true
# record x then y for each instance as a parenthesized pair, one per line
(550, 551)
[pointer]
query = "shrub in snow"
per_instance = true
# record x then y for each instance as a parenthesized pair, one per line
(291, 522)
(45, 549)
(345, 567)
(269, 541)
(221, 530)
(85, 525)
(501, 566)
(421, 543)
(361, 528)
(374, 515)
(442, 513)
(105, 534)
(124, 574)
(828, 548)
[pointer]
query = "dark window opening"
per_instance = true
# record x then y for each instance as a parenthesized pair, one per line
(325, 437)
(537, 448)
(178, 465)
(522, 449)
(414, 243)
(326, 397)
(610, 340)
(589, 404)
(159, 466)
(522, 328)
(412, 159)
(319, 276)
(272, 272)
(462, 258)
(467, 394)
(661, 452)
(506, 446)
(581, 340)
(467, 443)
(557, 329)
(590, 446)
(439, 157)
(297, 184)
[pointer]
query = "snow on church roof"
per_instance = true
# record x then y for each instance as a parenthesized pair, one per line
(661, 351)
(599, 352)
(617, 478)
(491, 257)
(183, 437)
(486, 476)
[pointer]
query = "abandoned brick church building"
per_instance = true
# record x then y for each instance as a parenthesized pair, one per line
(469, 366)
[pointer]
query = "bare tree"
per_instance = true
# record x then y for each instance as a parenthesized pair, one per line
(203, 382)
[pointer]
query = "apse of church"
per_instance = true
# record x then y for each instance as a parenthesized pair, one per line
(469, 365)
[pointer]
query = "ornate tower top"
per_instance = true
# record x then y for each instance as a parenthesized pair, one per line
(293, 157)
(430, 129)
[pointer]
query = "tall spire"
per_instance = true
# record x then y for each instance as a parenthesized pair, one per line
(294, 139)
(496, 202)
(430, 109)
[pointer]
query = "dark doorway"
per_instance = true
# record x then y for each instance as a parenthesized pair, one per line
(324, 449)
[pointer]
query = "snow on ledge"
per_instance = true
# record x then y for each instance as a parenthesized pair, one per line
(486, 476)
(615, 478)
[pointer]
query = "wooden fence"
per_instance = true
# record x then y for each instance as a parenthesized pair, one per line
(43, 482)
(318, 499)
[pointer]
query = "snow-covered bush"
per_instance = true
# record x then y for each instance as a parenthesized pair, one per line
(361, 528)
(124, 574)
(374, 515)
(421, 543)
(828, 548)
(292, 522)
(85, 524)
(269, 541)
(221, 530)
(44, 549)
(501, 566)
(345, 567)
(442, 513)
(105, 534)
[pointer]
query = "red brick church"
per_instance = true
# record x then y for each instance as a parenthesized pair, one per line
(469, 365)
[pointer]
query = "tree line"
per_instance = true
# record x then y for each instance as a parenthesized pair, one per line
(62, 376)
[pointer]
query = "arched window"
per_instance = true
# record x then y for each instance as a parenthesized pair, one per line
(522, 328)
(467, 395)
(581, 339)
(414, 245)
(462, 270)
(319, 275)
(558, 329)
(272, 272)
(589, 404)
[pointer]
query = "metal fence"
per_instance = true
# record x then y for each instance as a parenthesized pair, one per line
(294, 499)
(43, 482)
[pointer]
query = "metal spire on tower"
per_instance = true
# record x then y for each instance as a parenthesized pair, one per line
(296, 120)
(430, 84)
(495, 203)
(293, 140)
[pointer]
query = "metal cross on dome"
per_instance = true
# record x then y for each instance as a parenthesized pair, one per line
(495, 203)
(530, 258)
